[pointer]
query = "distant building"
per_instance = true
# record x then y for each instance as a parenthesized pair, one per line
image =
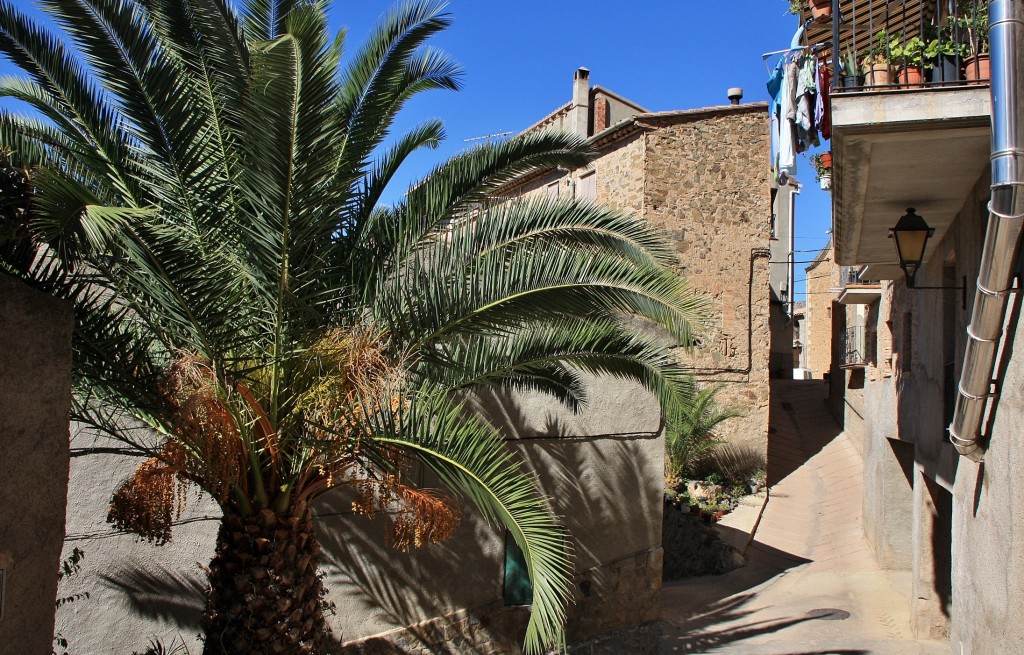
(702, 176)
(822, 282)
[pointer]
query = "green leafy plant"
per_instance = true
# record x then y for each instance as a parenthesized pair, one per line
(820, 169)
(849, 62)
(879, 52)
(908, 52)
(937, 49)
(796, 6)
(206, 193)
(971, 20)
(70, 567)
(690, 431)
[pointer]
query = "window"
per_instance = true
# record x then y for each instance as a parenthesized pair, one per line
(553, 191)
(517, 588)
(587, 187)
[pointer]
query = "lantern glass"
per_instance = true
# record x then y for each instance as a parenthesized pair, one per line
(911, 235)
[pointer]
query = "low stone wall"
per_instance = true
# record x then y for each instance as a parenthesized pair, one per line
(485, 630)
(620, 594)
(607, 599)
(693, 548)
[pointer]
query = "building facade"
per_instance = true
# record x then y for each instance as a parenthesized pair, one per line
(700, 175)
(822, 283)
(944, 515)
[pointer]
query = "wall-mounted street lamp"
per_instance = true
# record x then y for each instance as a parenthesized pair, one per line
(911, 234)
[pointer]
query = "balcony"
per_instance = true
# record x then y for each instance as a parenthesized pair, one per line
(853, 347)
(857, 289)
(899, 141)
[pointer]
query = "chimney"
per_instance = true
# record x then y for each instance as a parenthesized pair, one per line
(735, 94)
(580, 111)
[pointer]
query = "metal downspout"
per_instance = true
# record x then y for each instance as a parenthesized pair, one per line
(1006, 213)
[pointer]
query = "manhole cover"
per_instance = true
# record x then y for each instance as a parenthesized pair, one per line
(829, 614)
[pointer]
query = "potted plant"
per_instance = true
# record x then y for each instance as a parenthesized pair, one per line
(908, 56)
(971, 20)
(851, 76)
(939, 60)
(877, 63)
(821, 10)
(822, 163)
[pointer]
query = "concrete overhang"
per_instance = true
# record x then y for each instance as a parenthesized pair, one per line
(897, 149)
(882, 271)
(860, 294)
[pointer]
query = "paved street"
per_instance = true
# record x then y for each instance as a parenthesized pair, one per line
(811, 585)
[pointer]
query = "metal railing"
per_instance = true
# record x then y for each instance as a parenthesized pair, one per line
(853, 346)
(909, 44)
(852, 275)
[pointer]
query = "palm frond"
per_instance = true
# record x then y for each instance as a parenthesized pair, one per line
(470, 457)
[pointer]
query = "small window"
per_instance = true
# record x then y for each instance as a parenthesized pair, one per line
(517, 587)
(553, 191)
(587, 187)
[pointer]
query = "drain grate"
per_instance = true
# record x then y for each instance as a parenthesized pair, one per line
(829, 614)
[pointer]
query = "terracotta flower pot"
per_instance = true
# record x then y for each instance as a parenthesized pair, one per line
(821, 10)
(877, 75)
(826, 160)
(976, 69)
(910, 77)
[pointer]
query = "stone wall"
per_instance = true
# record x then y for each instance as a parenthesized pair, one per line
(707, 186)
(700, 176)
(822, 279)
(35, 400)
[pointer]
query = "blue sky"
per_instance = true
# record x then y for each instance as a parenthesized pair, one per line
(519, 58)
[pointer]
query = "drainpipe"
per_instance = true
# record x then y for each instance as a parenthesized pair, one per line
(1006, 213)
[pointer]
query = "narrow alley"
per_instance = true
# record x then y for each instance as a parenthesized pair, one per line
(811, 585)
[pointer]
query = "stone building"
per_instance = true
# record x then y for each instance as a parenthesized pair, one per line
(822, 290)
(700, 175)
(916, 377)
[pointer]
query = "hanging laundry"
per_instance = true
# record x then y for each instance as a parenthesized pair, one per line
(804, 104)
(781, 86)
(823, 109)
(787, 116)
(775, 93)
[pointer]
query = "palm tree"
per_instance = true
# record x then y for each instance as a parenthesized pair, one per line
(690, 428)
(205, 186)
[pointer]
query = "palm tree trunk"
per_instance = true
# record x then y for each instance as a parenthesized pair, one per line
(266, 596)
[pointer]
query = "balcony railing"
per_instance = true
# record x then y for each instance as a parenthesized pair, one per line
(853, 347)
(852, 275)
(905, 44)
